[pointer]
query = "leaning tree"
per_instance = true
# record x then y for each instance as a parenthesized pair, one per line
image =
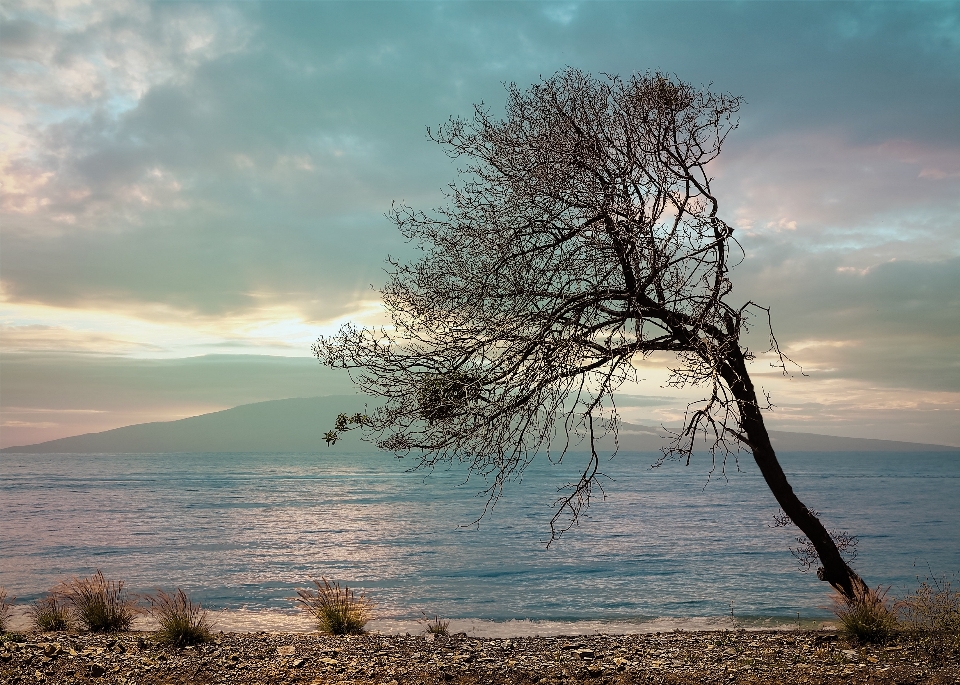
(583, 235)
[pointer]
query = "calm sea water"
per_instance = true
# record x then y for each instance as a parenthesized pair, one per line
(244, 530)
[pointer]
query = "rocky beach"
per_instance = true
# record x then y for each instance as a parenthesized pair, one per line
(677, 658)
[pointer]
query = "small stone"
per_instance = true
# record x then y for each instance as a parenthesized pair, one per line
(297, 663)
(96, 670)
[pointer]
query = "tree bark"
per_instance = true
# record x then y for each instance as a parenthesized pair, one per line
(834, 569)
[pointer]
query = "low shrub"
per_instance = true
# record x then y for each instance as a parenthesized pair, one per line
(337, 611)
(6, 609)
(866, 621)
(98, 604)
(181, 622)
(931, 615)
(50, 613)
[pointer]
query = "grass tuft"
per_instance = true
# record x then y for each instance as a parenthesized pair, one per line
(181, 621)
(436, 625)
(98, 604)
(50, 613)
(6, 609)
(866, 621)
(337, 611)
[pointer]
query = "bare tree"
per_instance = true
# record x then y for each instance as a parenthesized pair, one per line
(583, 234)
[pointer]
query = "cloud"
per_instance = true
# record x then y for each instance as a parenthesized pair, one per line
(38, 337)
(165, 332)
(878, 200)
(863, 409)
(628, 400)
(218, 150)
(192, 177)
(73, 69)
(897, 324)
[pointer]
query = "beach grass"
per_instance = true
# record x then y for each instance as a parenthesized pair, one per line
(98, 604)
(51, 613)
(181, 621)
(338, 611)
(6, 608)
(866, 621)
(436, 625)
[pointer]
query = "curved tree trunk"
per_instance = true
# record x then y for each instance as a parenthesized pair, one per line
(834, 569)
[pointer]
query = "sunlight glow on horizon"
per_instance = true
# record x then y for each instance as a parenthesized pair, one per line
(165, 334)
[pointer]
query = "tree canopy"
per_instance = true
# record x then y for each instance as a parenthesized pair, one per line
(583, 234)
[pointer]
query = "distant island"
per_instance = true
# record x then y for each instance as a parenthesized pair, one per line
(298, 425)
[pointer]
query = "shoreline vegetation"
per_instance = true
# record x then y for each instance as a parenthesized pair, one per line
(95, 640)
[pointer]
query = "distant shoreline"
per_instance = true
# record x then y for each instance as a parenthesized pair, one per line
(297, 425)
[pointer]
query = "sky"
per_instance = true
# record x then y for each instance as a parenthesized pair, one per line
(193, 192)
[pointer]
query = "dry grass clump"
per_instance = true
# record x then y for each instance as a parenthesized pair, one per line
(98, 604)
(337, 611)
(866, 621)
(6, 606)
(931, 615)
(51, 613)
(181, 621)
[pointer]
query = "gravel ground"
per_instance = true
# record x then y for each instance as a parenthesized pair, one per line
(677, 658)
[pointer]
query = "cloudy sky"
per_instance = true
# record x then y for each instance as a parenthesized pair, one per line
(192, 192)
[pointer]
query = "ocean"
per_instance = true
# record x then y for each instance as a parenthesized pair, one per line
(661, 547)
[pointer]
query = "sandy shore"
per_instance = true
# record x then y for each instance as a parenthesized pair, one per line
(677, 658)
(278, 621)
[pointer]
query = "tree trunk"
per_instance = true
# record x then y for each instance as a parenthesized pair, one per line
(834, 569)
